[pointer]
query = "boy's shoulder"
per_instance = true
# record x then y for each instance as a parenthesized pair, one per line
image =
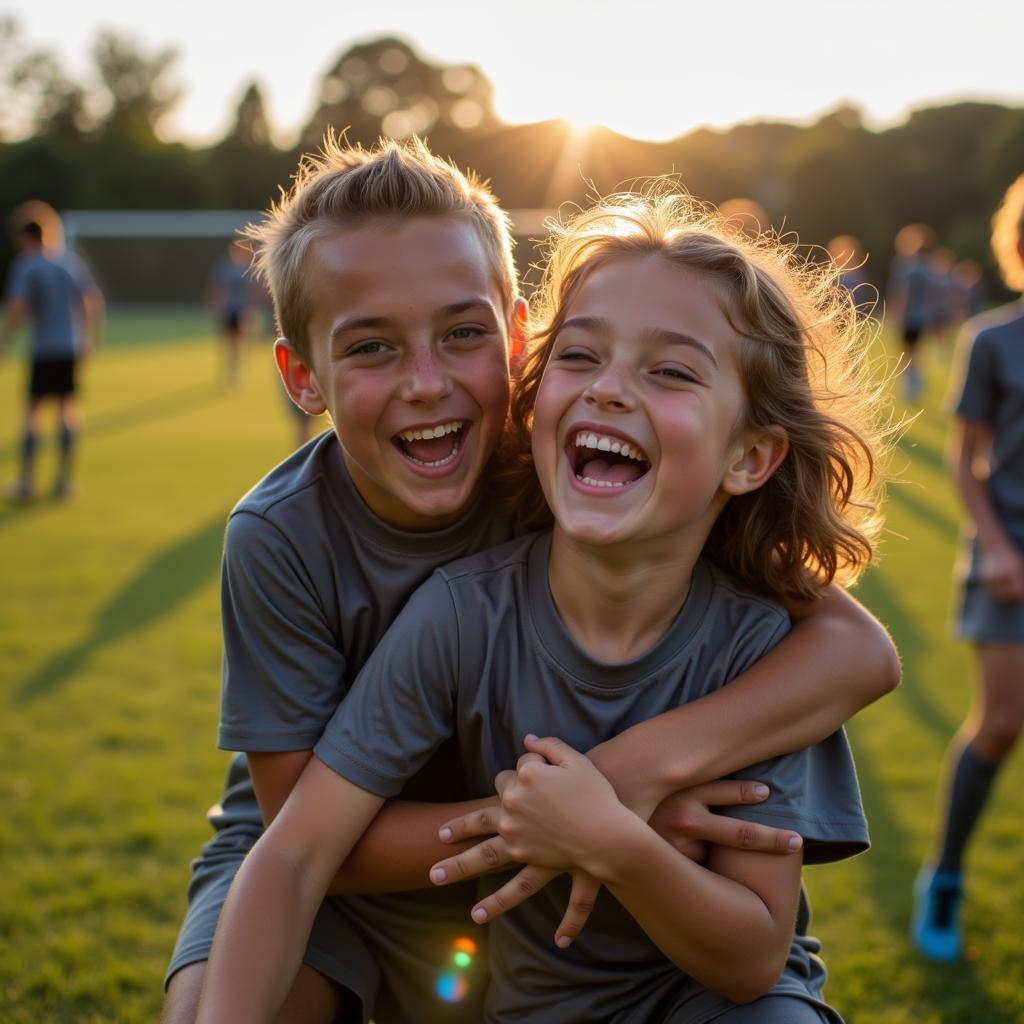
(298, 479)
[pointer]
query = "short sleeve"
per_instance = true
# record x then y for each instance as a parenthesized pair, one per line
(283, 672)
(978, 392)
(402, 704)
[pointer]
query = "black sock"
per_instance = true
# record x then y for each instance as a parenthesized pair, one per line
(968, 792)
(67, 444)
(28, 457)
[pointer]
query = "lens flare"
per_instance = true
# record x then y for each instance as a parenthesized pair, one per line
(462, 959)
(465, 946)
(452, 987)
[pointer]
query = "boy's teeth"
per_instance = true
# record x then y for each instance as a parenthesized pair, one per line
(585, 439)
(431, 432)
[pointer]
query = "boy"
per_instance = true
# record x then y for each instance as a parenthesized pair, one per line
(395, 292)
(65, 306)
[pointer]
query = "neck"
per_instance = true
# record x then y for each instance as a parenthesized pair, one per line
(618, 601)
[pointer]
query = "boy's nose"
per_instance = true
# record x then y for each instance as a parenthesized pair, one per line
(426, 380)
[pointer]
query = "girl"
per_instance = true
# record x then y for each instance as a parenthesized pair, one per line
(703, 443)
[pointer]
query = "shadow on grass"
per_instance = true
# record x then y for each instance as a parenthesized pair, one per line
(137, 413)
(928, 455)
(875, 592)
(910, 497)
(161, 585)
(952, 992)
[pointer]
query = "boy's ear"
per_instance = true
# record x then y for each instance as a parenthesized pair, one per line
(761, 454)
(517, 331)
(298, 379)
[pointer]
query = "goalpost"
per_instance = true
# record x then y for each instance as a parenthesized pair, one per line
(166, 257)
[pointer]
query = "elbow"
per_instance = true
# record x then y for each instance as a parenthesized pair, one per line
(754, 979)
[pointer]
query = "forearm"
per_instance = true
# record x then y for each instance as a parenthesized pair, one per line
(263, 930)
(713, 928)
(397, 851)
(831, 665)
(977, 501)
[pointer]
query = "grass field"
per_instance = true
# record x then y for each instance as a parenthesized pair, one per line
(109, 683)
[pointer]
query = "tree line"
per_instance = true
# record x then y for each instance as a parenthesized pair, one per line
(98, 145)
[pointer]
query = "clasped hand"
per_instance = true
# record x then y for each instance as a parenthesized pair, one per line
(558, 813)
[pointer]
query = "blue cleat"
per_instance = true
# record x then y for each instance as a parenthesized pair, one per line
(936, 925)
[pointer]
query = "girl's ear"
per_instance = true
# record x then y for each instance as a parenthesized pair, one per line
(517, 332)
(298, 379)
(761, 454)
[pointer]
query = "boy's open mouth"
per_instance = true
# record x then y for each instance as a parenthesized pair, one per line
(600, 460)
(431, 446)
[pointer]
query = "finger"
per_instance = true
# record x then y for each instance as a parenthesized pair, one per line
(729, 792)
(503, 779)
(471, 826)
(746, 835)
(517, 890)
(552, 749)
(581, 903)
(529, 758)
(477, 860)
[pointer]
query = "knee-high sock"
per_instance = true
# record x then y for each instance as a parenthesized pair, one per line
(29, 441)
(67, 445)
(969, 788)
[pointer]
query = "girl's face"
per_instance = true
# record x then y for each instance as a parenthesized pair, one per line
(638, 414)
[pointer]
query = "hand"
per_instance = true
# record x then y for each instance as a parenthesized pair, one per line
(494, 853)
(685, 820)
(1002, 573)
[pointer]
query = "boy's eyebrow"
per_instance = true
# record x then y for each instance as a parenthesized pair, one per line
(662, 334)
(355, 323)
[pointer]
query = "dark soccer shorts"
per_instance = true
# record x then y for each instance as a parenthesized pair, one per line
(51, 377)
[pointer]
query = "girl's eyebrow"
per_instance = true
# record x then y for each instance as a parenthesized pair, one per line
(658, 334)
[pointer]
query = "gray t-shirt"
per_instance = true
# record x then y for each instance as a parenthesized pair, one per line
(480, 651)
(53, 286)
(992, 349)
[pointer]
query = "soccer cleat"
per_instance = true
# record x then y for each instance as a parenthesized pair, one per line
(936, 925)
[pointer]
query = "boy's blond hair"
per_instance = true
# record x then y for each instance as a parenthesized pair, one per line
(1007, 230)
(341, 186)
(803, 365)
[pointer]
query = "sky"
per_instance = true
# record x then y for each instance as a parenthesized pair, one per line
(646, 68)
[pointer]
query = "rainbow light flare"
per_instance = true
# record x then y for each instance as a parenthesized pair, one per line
(452, 987)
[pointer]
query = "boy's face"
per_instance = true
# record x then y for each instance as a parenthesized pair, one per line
(647, 360)
(409, 349)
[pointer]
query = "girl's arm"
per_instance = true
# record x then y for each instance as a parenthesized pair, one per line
(265, 923)
(1002, 564)
(836, 660)
(729, 925)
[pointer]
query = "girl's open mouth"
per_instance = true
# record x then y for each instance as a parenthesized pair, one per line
(601, 460)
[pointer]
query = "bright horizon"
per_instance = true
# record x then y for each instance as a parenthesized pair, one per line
(657, 73)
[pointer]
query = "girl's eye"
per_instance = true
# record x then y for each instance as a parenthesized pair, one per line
(675, 373)
(465, 333)
(574, 355)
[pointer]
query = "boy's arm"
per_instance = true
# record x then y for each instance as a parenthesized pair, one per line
(265, 923)
(13, 318)
(836, 660)
(398, 849)
(728, 925)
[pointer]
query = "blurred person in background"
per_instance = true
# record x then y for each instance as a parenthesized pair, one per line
(988, 465)
(231, 297)
(848, 255)
(54, 290)
(910, 298)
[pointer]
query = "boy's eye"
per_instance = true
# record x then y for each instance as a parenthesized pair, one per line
(372, 347)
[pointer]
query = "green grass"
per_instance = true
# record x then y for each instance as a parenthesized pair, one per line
(109, 683)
